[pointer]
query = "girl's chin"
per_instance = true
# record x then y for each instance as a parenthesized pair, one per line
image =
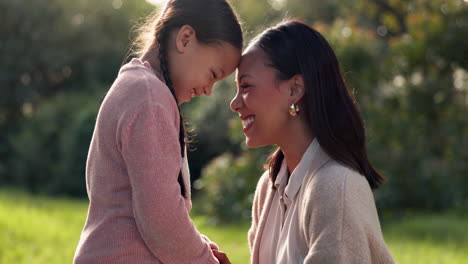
(183, 100)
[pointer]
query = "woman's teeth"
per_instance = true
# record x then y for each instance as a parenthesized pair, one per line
(247, 122)
(193, 92)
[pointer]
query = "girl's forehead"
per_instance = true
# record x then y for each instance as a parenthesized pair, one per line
(230, 51)
(224, 46)
(224, 56)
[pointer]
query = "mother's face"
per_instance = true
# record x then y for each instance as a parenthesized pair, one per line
(261, 100)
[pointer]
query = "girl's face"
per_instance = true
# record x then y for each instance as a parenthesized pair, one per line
(262, 100)
(195, 67)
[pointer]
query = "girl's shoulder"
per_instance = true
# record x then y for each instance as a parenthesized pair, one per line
(135, 89)
(141, 81)
(137, 84)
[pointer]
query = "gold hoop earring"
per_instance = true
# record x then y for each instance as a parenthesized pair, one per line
(293, 109)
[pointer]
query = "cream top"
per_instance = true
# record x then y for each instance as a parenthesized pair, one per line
(281, 226)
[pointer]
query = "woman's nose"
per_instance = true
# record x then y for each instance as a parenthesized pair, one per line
(236, 103)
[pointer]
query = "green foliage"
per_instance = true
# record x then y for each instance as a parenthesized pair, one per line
(51, 149)
(406, 62)
(418, 123)
(48, 46)
(208, 119)
(228, 185)
(411, 85)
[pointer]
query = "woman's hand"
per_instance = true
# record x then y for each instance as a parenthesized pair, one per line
(221, 256)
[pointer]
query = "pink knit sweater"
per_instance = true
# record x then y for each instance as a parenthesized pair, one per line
(136, 212)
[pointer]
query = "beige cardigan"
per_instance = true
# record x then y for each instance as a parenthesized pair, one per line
(336, 215)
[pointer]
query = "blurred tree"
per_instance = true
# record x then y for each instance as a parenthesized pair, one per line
(51, 46)
(406, 62)
(48, 46)
(51, 148)
(208, 119)
(228, 185)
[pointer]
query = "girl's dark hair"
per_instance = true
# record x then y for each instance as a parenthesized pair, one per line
(329, 107)
(214, 21)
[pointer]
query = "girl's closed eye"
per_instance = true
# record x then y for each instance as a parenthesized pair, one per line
(213, 75)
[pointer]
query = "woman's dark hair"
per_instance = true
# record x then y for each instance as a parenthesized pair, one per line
(329, 107)
(214, 21)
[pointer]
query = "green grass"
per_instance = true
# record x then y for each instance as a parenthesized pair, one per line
(429, 238)
(37, 229)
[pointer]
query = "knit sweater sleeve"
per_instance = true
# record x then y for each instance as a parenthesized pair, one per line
(338, 253)
(152, 155)
(340, 221)
(332, 234)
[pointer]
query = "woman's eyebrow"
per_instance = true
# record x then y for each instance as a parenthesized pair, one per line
(244, 76)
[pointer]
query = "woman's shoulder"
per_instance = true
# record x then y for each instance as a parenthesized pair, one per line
(261, 193)
(334, 171)
(263, 186)
(335, 180)
(264, 182)
(337, 190)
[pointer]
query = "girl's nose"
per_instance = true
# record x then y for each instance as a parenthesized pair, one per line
(208, 89)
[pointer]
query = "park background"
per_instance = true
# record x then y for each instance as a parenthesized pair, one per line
(405, 61)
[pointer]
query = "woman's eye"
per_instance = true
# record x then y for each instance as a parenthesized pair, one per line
(245, 87)
(214, 75)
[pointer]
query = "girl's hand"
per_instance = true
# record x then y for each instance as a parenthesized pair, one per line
(221, 256)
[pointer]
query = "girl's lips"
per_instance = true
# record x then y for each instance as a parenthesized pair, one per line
(195, 93)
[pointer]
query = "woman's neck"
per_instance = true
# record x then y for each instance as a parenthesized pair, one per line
(298, 140)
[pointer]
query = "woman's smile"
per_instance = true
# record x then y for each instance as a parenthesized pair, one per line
(247, 122)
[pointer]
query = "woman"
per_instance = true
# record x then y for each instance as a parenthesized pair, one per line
(314, 204)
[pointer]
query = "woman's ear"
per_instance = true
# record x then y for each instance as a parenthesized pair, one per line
(184, 38)
(297, 89)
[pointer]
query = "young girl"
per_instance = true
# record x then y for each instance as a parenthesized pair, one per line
(314, 204)
(137, 175)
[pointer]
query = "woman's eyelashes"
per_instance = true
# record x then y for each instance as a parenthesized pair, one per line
(213, 75)
(244, 87)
